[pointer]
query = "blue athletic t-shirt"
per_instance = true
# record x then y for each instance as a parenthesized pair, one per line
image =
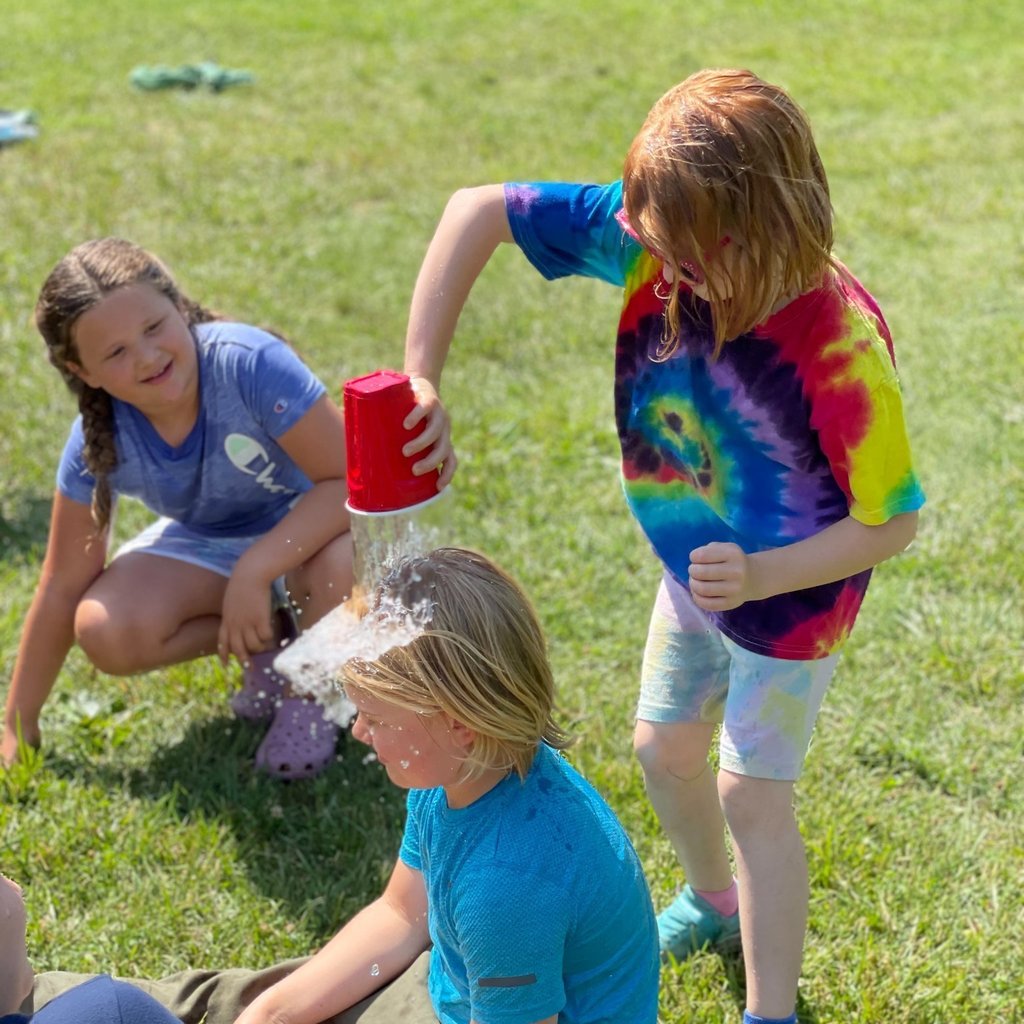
(100, 1000)
(229, 477)
(537, 904)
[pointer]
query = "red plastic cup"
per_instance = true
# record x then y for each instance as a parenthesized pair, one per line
(380, 477)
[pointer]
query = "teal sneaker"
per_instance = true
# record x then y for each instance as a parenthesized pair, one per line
(689, 924)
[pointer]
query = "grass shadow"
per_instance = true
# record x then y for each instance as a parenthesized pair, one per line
(321, 848)
(725, 972)
(805, 1012)
(735, 977)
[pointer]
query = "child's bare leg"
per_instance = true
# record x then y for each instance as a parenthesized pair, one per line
(322, 583)
(773, 888)
(681, 787)
(146, 612)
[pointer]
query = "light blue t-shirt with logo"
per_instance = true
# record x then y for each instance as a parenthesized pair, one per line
(537, 903)
(229, 477)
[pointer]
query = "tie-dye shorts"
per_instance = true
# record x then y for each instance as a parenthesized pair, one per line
(692, 673)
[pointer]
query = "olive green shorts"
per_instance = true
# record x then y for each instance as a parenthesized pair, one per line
(218, 997)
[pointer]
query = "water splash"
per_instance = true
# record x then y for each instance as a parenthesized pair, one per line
(313, 662)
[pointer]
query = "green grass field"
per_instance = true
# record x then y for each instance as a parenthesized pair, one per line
(305, 201)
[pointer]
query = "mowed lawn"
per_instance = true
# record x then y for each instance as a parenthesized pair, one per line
(305, 201)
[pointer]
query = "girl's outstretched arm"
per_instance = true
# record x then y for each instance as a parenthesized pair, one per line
(723, 576)
(74, 558)
(472, 226)
(380, 942)
(317, 446)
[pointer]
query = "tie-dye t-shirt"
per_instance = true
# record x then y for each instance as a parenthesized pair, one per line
(795, 426)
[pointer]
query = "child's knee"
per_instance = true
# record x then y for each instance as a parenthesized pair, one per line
(669, 751)
(106, 642)
(325, 580)
(336, 565)
(755, 806)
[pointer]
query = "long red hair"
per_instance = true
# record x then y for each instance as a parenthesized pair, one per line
(725, 154)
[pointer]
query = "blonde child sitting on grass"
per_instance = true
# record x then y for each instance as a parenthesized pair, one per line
(513, 872)
(516, 897)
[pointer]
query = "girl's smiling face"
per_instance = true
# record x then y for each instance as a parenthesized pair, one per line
(136, 345)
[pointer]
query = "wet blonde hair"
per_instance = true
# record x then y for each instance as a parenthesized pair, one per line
(481, 659)
(80, 281)
(725, 154)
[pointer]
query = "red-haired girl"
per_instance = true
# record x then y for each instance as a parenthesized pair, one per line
(764, 454)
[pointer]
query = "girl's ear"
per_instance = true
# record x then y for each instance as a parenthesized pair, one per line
(80, 373)
(461, 733)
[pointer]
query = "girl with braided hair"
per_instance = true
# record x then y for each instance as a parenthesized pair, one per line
(220, 429)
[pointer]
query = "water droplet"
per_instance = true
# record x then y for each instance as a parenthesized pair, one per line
(404, 764)
(370, 758)
(374, 970)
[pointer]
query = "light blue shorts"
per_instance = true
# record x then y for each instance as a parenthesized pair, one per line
(692, 673)
(170, 539)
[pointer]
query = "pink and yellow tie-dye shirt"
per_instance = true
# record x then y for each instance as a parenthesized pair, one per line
(795, 426)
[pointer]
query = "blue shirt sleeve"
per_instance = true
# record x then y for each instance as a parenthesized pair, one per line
(282, 389)
(410, 850)
(74, 481)
(568, 229)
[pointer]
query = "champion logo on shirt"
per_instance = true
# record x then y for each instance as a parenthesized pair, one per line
(280, 405)
(248, 455)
